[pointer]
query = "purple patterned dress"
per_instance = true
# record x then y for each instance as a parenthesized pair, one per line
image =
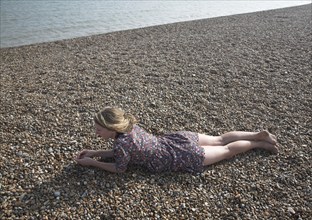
(177, 151)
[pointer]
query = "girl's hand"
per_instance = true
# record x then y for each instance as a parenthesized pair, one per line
(86, 153)
(86, 161)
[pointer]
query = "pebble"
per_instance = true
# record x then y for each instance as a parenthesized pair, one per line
(291, 210)
(84, 194)
(57, 194)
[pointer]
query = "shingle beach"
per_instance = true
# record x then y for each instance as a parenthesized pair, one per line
(244, 72)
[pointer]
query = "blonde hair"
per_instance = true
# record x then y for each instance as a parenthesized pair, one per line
(115, 119)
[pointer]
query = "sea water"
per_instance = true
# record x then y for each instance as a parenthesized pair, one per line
(33, 21)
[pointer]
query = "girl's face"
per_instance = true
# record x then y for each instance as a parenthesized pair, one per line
(104, 132)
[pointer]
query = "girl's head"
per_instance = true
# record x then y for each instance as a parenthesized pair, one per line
(115, 120)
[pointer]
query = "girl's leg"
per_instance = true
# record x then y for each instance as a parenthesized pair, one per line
(214, 154)
(206, 140)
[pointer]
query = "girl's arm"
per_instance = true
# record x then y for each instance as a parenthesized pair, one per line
(87, 161)
(104, 153)
(95, 153)
(111, 167)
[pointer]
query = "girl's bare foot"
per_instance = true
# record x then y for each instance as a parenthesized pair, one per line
(270, 147)
(266, 136)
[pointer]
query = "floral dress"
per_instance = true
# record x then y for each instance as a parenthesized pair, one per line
(177, 151)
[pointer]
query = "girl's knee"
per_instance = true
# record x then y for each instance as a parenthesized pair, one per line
(214, 154)
(207, 140)
(228, 152)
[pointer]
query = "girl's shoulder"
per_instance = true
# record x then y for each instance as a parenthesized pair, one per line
(127, 137)
(137, 132)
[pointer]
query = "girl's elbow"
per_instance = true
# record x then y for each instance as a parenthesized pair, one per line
(121, 170)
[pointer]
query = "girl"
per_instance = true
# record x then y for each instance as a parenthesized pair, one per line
(178, 151)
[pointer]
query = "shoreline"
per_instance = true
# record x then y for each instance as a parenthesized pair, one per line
(132, 29)
(242, 72)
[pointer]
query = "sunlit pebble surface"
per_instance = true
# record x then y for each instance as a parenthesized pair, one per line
(245, 72)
